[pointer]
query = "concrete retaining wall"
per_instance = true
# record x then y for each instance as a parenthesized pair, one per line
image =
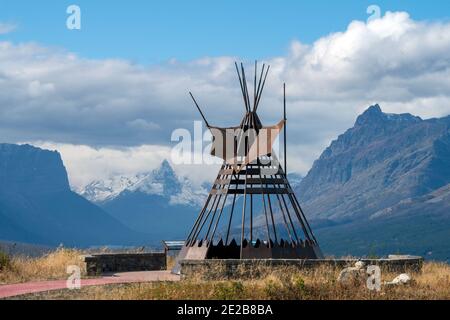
(219, 269)
(97, 264)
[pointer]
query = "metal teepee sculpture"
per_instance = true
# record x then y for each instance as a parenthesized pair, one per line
(251, 211)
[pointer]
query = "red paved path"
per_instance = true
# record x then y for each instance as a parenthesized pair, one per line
(11, 290)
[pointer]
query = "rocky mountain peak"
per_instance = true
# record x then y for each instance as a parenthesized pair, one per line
(164, 173)
(162, 181)
(383, 159)
(374, 115)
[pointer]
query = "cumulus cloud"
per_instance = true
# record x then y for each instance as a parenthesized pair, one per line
(53, 95)
(85, 163)
(393, 59)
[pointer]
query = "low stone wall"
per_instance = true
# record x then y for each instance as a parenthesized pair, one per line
(97, 264)
(229, 269)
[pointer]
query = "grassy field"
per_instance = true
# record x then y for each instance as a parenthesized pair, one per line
(51, 266)
(284, 283)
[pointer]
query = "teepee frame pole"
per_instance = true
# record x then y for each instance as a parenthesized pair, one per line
(254, 85)
(269, 202)
(240, 180)
(221, 211)
(244, 206)
(200, 110)
(285, 129)
(242, 87)
(244, 80)
(189, 238)
(259, 86)
(232, 209)
(262, 89)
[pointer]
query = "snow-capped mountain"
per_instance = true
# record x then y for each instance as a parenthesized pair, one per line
(159, 202)
(162, 181)
(103, 190)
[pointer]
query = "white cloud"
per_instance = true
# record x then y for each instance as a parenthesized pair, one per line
(52, 95)
(6, 28)
(85, 163)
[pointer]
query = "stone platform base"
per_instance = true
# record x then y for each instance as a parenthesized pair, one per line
(229, 269)
(97, 264)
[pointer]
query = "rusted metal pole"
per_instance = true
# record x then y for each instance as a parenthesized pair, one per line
(262, 88)
(242, 87)
(285, 129)
(200, 110)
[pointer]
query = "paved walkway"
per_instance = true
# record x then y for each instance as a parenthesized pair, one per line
(11, 290)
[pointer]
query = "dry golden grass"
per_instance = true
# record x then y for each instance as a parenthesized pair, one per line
(281, 284)
(49, 267)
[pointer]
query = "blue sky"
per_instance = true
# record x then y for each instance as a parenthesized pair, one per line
(61, 90)
(156, 31)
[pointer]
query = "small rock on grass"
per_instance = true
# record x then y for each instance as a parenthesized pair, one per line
(353, 274)
(402, 279)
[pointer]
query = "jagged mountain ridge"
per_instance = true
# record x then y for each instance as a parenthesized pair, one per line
(377, 163)
(369, 187)
(157, 200)
(162, 181)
